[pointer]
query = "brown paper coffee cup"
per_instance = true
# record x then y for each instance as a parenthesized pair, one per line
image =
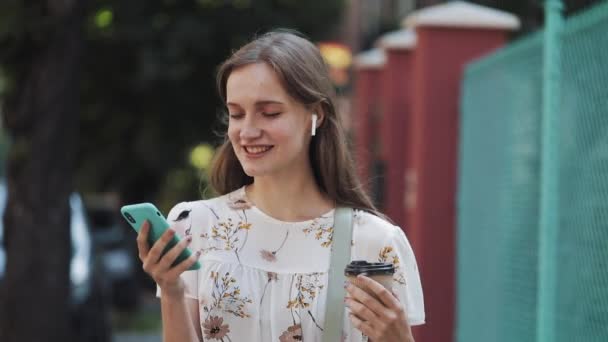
(380, 272)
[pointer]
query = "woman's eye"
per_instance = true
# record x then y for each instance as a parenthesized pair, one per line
(271, 114)
(236, 116)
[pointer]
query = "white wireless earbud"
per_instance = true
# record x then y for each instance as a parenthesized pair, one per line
(314, 124)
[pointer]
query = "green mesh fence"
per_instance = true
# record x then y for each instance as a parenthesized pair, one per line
(498, 196)
(582, 284)
(499, 189)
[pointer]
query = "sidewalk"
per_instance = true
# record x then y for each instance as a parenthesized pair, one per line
(134, 337)
(144, 325)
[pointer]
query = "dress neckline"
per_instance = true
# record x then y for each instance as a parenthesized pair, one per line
(241, 196)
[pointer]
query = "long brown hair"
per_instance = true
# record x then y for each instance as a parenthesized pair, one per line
(304, 74)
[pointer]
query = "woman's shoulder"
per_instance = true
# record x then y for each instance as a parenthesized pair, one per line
(208, 208)
(370, 224)
(378, 240)
(374, 233)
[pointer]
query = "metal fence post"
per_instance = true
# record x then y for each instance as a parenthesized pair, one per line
(549, 191)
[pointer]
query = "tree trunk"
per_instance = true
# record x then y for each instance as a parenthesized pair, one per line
(42, 120)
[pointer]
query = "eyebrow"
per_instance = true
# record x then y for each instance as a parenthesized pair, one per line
(258, 103)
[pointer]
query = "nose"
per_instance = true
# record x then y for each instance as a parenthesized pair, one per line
(249, 130)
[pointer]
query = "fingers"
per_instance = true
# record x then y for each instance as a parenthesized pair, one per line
(156, 251)
(363, 326)
(375, 311)
(183, 266)
(360, 310)
(167, 260)
(371, 303)
(160, 266)
(395, 295)
(142, 241)
(383, 314)
(386, 297)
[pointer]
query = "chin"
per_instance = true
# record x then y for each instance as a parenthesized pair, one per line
(254, 171)
(260, 170)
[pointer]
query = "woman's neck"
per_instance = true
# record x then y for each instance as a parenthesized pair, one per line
(289, 198)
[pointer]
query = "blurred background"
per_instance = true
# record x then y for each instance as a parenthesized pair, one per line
(480, 127)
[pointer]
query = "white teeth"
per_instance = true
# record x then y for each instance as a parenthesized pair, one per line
(257, 149)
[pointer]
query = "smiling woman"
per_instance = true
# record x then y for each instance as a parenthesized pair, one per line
(269, 137)
(283, 76)
(265, 243)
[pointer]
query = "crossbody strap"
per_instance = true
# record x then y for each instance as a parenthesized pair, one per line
(340, 257)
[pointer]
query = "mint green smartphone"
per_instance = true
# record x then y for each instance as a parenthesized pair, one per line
(136, 214)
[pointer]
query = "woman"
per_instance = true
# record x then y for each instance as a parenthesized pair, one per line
(265, 242)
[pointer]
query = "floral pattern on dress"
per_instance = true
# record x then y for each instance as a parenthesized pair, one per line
(228, 234)
(292, 334)
(214, 329)
(271, 256)
(388, 254)
(227, 297)
(271, 277)
(358, 217)
(183, 215)
(323, 232)
(307, 287)
(276, 269)
(238, 201)
(268, 255)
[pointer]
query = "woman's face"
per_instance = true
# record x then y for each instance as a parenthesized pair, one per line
(269, 130)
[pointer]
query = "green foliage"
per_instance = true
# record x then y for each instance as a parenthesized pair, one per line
(103, 18)
(142, 321)
(148, 87)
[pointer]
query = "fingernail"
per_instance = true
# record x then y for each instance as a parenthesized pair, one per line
(189, 239)
(171, 231)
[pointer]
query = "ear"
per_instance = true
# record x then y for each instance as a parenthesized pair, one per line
(318, 109)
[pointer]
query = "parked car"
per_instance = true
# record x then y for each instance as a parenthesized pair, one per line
(117, 254)
(88, 308)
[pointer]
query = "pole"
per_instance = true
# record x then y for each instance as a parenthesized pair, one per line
(549, 191)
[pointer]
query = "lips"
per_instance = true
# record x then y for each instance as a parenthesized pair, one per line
(258, 149)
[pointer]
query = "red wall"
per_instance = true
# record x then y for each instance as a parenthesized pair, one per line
(366, 105)
(410, 109)
(439, 58)
(396, 104)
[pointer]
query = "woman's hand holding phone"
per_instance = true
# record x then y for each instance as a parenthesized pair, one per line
(158, 266)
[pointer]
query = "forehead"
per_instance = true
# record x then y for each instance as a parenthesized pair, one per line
(254, 81)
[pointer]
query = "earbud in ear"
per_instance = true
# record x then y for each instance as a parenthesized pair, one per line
(314, 124)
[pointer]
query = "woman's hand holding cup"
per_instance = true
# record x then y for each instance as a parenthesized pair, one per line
(374, 308)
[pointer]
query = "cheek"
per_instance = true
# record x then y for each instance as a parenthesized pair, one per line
(285, 133)
(294, 141)
(233, 134)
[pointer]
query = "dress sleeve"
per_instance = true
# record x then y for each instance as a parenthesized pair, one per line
(406, 283)
(181, 220)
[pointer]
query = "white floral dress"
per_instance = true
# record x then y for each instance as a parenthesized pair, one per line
(263, 279)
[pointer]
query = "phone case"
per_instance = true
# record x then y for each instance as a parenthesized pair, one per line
(136, 214)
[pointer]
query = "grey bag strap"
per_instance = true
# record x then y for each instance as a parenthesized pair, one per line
(340, 257)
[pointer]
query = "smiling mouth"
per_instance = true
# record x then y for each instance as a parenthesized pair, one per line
(257, 150)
